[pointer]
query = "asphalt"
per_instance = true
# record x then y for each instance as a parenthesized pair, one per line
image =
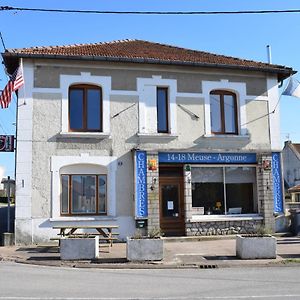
(184, 252)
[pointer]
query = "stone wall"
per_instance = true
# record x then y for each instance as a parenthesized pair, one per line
(153, 192)
(265, 191)
(222, 227)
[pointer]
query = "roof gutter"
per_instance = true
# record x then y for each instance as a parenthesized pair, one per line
(284, 71)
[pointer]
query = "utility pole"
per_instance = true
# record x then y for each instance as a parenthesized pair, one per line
(8, 203)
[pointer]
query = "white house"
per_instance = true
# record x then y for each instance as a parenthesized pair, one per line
(142, 134)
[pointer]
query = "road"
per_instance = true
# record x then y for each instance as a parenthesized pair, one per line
(22, 282)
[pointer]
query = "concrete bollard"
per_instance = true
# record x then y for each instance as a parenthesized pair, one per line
(7, 239)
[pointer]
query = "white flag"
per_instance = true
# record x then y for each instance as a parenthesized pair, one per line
(293, 88)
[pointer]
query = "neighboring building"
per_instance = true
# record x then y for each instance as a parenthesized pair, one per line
(291, 171)
(127, 131)
(8, 185)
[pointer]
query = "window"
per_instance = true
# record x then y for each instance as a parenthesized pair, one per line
(223, 110)
(224, 190)
(85, 108)
(83, 194)
(162, 110)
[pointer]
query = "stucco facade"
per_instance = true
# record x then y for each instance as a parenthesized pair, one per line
(46, 149)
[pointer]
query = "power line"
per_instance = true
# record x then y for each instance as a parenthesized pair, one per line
(10, 8)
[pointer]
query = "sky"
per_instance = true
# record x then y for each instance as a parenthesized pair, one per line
(243, 36)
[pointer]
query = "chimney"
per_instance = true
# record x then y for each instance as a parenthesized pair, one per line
(269, 54)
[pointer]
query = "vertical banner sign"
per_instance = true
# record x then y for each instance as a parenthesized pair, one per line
(6, 143)
(277, 182)
(141, 199)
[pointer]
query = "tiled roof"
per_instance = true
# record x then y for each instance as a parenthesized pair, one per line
(297, 147)
(294, 189)
(142, 51)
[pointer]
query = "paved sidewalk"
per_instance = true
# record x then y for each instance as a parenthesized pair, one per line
(206, 252)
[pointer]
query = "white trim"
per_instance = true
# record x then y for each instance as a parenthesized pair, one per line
(190, 95)
(239, 88)
(94, 135)
(152, 137)
(24, 145)
(47, 90)
(274, 118)
(109, 162)
(146, 88)
(257, 98)
(123, 93)
(82, 218)
(227, 137)
(85, 78)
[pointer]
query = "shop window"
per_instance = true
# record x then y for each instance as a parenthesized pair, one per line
(83, 194)
(162, 107)
(223, 112)
(85, 108)
(224, 190)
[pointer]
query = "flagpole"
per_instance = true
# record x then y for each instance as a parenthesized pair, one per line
(24, 85)
(273, 111)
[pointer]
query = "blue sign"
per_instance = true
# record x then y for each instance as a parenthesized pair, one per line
(141, 200)
(277, 182)
(206, 158)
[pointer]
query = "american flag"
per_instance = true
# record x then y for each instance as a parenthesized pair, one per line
(15, 82)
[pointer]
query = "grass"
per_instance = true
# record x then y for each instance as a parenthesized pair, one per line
(291, 261)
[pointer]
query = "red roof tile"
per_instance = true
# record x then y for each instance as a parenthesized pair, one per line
(294, 189)
(143, 51)
(297, 147)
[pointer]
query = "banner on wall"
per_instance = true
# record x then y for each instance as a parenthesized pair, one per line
(141, 197)
(277, 182)
(209, 158)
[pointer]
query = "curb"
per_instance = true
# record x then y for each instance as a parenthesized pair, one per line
(161, 265)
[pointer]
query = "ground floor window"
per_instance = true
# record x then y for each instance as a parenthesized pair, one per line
(224, 190)
(83, 194)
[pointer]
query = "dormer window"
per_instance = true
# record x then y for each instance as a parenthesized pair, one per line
(85, 108)
(223, 110)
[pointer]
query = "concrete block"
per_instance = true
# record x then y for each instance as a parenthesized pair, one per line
(7, 239)
(79, 248)
(144, 249)
(255, 247)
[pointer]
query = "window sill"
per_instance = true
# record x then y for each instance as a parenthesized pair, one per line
(216, 218)
(83, 218)
(154, 137)
(92, 135)
(228, 137)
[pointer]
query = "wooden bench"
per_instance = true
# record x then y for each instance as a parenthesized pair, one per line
(104, 232)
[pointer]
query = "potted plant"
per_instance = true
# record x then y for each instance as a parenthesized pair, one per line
(145, 248)
(259, 245)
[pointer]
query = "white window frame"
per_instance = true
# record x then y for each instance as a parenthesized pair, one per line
(107, 165)
(147, 90)
(104, 82)
(226, 215)
(239, 89)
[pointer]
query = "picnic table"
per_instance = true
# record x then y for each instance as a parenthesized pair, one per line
(105, 232)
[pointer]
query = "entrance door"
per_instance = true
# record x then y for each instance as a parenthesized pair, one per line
(171, 206)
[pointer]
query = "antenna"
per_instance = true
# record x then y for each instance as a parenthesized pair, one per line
(269, 54)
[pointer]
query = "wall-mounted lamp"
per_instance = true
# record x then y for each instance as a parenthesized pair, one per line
(188, 168)
(152, 187)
